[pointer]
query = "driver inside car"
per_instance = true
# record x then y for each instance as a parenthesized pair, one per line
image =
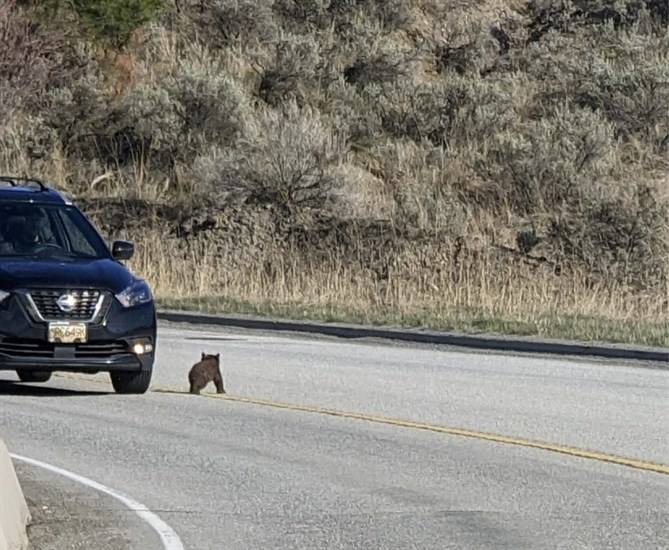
(23, 234)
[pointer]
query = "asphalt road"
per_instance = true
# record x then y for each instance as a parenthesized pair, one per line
(235, 475)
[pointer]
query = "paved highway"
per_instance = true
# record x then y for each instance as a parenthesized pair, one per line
(226, 474)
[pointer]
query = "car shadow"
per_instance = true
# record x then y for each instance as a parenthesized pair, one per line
(8, 387)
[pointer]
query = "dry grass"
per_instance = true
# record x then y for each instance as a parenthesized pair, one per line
(510, 300)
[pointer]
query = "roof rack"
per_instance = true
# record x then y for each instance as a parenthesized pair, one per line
(18, 181)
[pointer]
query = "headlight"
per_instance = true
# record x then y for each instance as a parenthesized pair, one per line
(141, 346)
(136, 294)
(3, 296)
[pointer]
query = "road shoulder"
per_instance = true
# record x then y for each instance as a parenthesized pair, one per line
(68, 516)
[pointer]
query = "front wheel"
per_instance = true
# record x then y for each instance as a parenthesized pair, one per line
(131, 382)
(33, 375)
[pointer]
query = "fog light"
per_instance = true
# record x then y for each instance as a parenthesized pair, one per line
(142, 347)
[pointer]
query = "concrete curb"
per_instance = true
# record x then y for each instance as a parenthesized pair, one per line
(14, 513)
(481, 342)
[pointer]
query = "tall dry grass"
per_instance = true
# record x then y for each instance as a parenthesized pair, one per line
(479, 293)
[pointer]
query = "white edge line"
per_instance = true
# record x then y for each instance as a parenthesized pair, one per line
(168, 536)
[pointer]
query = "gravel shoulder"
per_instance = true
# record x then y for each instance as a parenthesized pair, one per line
(68, 516)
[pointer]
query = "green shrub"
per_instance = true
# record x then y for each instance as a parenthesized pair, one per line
(632, 92)
(151, 125)
(109, 22)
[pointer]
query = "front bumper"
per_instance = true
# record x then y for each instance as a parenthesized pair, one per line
(24, 344)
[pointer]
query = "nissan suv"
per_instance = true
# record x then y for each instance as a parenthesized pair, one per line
(67, 302)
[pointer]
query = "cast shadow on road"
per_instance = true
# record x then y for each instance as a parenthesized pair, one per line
(8, 387)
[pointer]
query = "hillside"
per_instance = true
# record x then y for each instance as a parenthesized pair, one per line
(487, 165)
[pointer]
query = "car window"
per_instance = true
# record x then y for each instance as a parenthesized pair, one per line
(78, 242)
(48, 231)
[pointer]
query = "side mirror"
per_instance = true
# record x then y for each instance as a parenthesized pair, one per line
(123, 250)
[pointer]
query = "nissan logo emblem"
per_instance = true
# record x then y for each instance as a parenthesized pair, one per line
(67, 302)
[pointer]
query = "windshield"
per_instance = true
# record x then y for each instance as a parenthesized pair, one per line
(44, 231)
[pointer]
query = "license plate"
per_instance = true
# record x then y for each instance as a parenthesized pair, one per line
(67, 333)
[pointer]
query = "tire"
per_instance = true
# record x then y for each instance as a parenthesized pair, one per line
(33, 375)
(131, 382)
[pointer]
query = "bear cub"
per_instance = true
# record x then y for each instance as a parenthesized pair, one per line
(207, 369)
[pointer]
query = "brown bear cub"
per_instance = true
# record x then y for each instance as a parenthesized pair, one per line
(208, 369)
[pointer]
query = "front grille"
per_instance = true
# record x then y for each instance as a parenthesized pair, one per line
(44, 350)
(99, 351)
(87, 305)
(21, 349)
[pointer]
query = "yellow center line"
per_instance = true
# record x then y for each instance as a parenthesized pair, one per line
(486, 436)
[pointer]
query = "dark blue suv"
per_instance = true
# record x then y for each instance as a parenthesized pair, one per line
(67, 303)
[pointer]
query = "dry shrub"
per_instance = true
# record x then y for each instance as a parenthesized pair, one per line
(382, 64)
(291, 71)
(157, 124)
(32, 61)
(351, 114)
(421, 112)
(245, 22)
(622, 73)
(301, 14)
(212, 106)
(391, 14)
(633, 93)
(545, 164)
(194, 107)
(422, 180)
(287, 157)
(456, 113)
(28, 145)
(623, 238)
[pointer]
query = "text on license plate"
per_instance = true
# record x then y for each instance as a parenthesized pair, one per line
(67, 333)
